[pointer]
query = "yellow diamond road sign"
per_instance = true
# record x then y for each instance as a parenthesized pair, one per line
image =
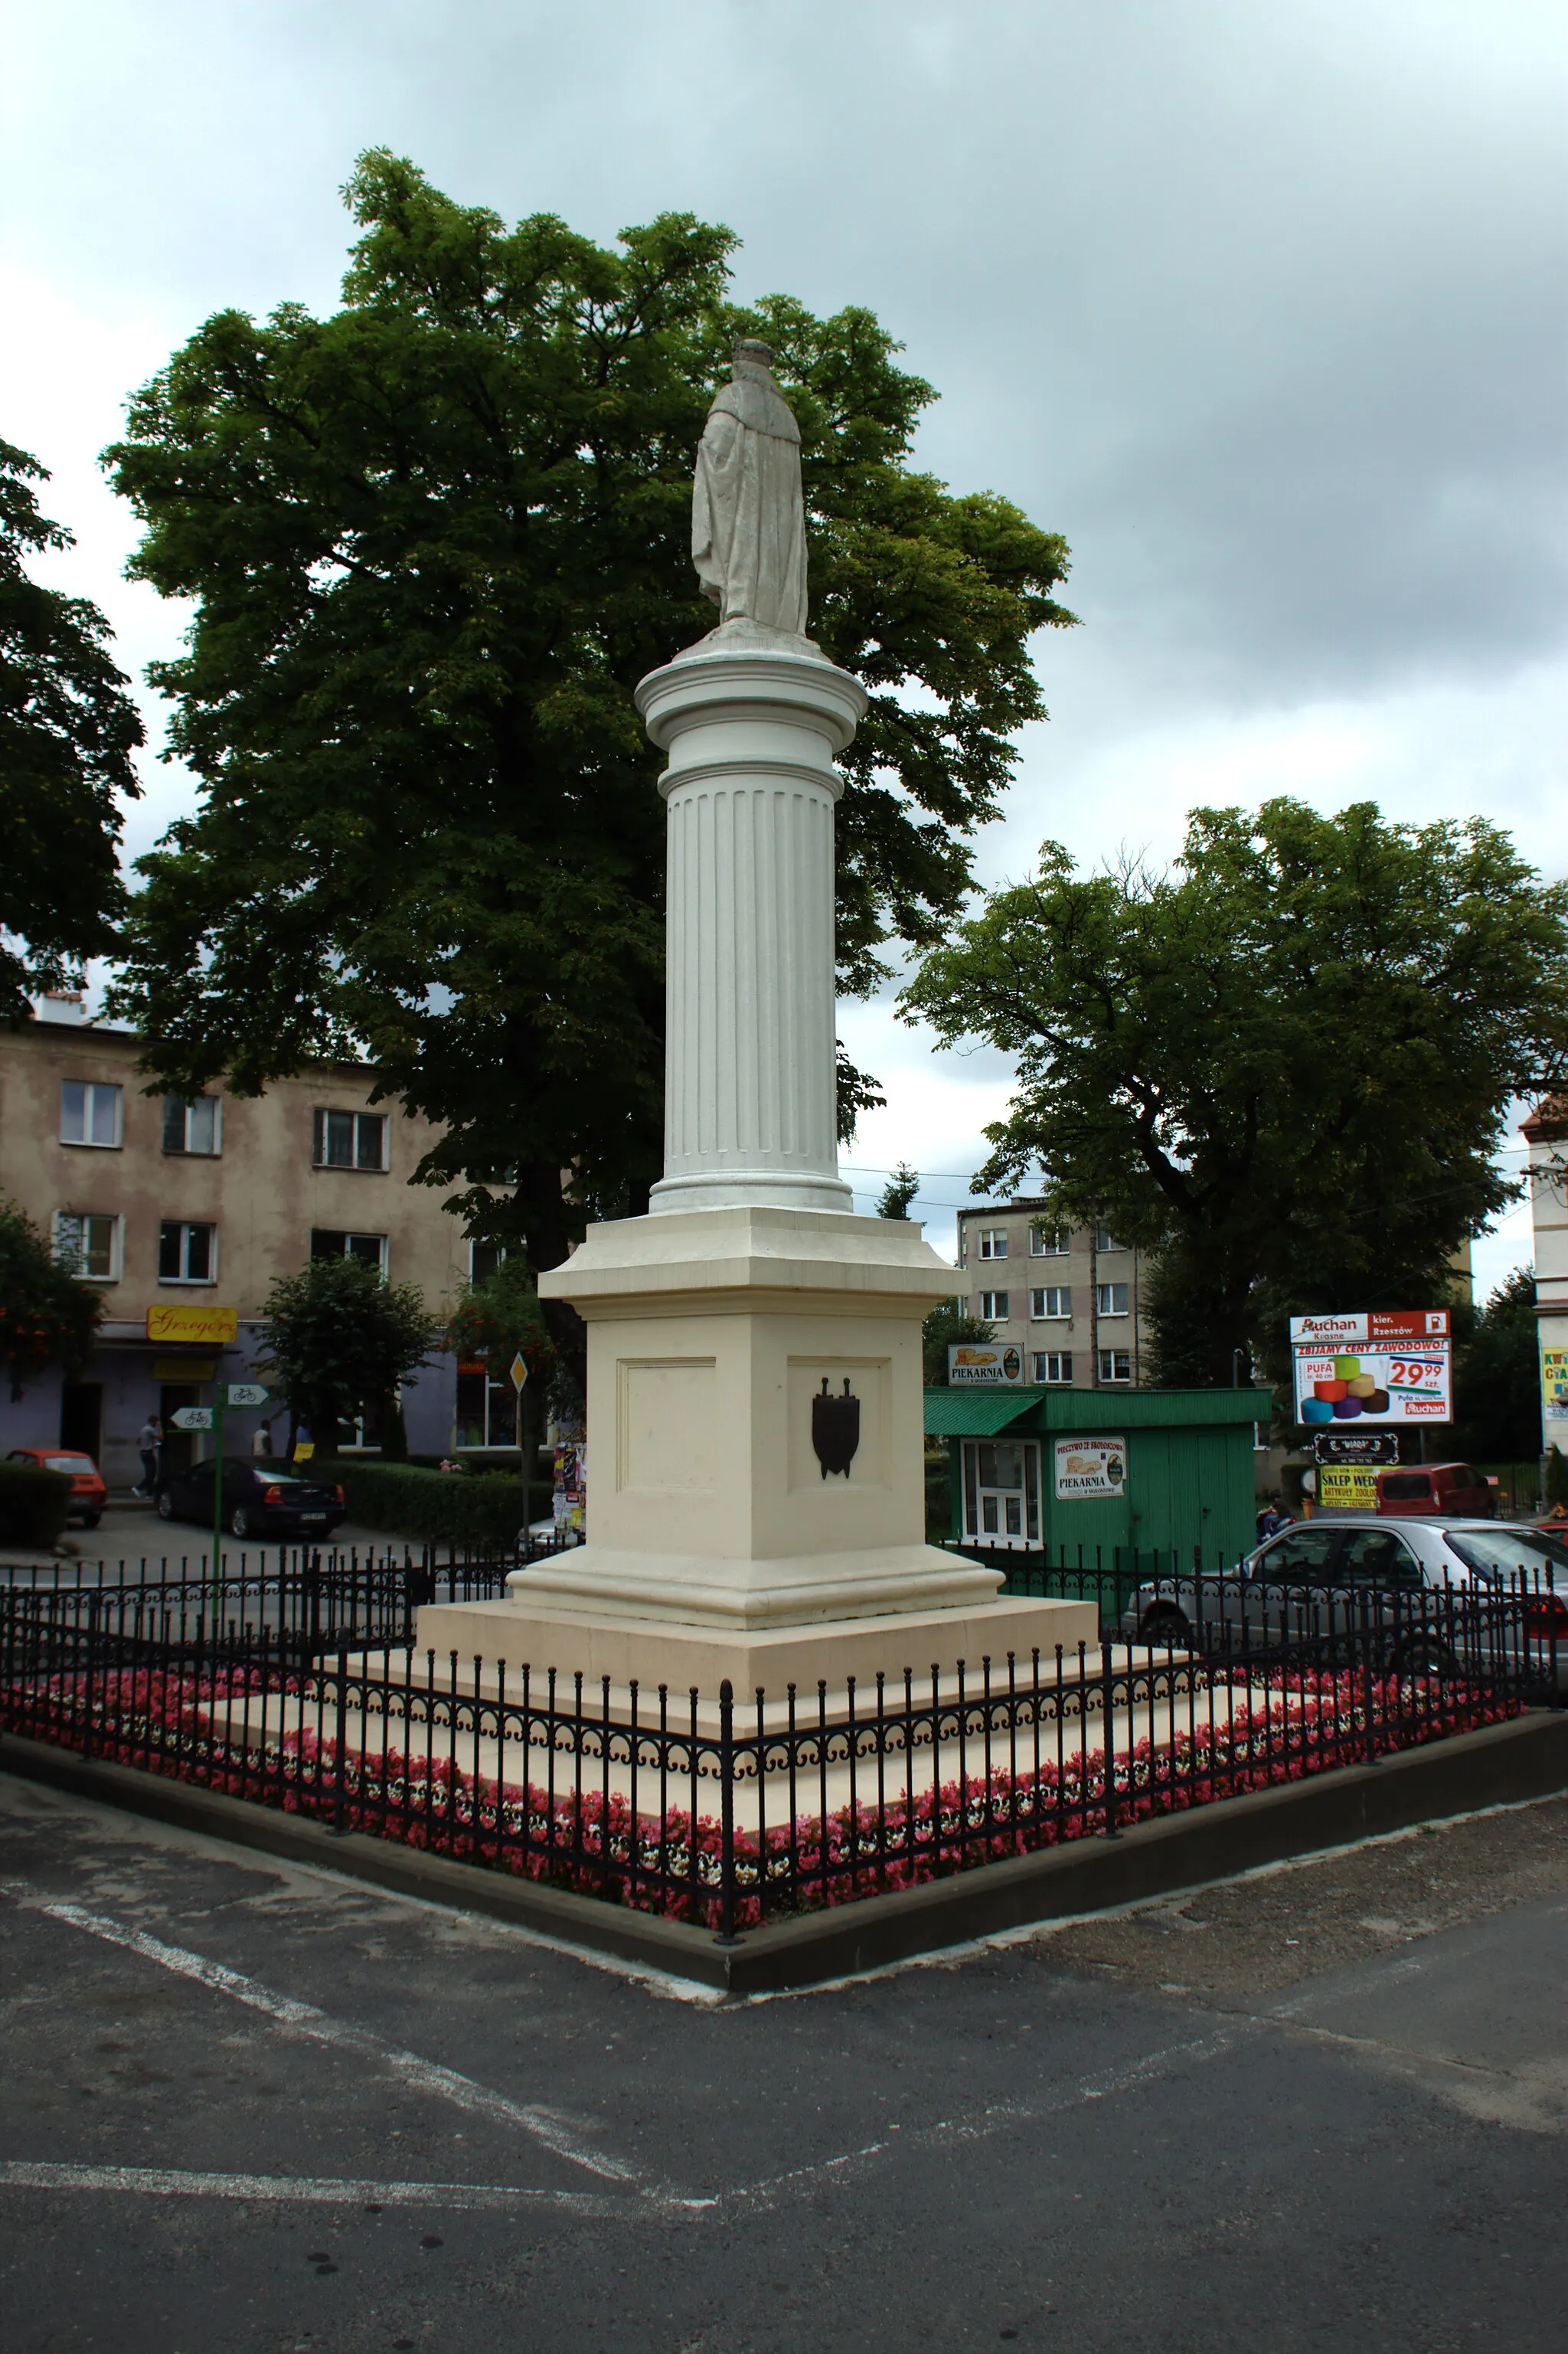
(519, 1370)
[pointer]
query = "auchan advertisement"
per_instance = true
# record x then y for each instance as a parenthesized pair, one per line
(1384, 1368)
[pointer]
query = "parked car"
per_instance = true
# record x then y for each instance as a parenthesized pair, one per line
(1338, 1578)
(1409, 1490)
(87, 1493)
(259, 1499)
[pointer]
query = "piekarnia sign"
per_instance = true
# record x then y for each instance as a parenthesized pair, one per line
(1384, 1367)
(1090, 1466)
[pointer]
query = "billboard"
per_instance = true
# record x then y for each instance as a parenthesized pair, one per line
(985, 1364)
(1382, 1368)
(1090, 1466)
(177, 1320)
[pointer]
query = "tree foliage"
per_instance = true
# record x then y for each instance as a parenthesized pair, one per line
(1284, 1066)
(1497, 1377)
(500, 1319)
(899, 1192)
(67, 732)
(48, 1316)
(337, 1340)
(432, 542)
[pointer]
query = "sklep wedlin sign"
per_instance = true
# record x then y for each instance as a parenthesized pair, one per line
(1392, 1366)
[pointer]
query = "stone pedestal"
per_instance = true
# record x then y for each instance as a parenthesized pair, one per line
(755, 1488)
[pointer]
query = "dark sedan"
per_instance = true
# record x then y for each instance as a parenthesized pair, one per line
(259, 1499)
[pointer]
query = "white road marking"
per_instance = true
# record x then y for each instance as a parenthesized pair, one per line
(175, 2182)
(555, 2133)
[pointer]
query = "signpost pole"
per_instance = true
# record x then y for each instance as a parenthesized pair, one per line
(219, 1400)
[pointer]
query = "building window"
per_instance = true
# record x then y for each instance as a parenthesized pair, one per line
(1111, 1298)
(193, 1126)
(1002, 1491)
(1049, 1241)
(993, 1306)
(1056, 1300)
(1053, 1365)
(1115, 1365)
(486, 1409)
(993, 1242)
(90, 1112)
(88, 1245)
(186, 1253)
(333, 1242)
(483, 1258)
(1105, 1240)
(350, 1140)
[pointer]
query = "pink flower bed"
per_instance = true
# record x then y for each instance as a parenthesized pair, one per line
(597, 1846)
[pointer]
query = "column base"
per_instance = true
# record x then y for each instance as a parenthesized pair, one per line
(746, 1189)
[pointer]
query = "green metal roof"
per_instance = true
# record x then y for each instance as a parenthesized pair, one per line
(981, 1412)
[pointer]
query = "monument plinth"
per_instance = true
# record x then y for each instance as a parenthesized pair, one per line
(756, 1502)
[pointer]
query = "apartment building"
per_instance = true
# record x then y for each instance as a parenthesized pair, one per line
(181, 1211)
(1067, 1297)
(1546, 1134)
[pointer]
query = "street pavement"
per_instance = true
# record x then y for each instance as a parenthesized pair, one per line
(131, 1537)
(250, 2107)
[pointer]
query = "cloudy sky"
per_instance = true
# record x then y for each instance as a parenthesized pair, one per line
(1261, 305)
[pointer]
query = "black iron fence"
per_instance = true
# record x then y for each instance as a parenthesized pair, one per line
(727, 1811)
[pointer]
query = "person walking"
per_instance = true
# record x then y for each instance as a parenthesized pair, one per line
(150, 1447)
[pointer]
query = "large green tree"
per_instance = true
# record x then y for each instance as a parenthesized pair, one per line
(337, 1340)
(1497, 1377)
(432, 541)
(1283, 1066)
(67, 729)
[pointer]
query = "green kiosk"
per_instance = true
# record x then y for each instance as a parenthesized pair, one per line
(1045, 1482)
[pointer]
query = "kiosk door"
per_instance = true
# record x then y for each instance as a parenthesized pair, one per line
(1002, 1493)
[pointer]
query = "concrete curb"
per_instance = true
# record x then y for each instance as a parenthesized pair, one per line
(1502, 1764)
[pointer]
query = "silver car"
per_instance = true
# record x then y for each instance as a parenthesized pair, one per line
(1428, 1586)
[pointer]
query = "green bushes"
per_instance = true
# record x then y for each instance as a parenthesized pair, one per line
(34, 1504)
(443, 1507)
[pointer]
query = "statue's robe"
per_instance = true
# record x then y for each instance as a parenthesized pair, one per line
(748, 526)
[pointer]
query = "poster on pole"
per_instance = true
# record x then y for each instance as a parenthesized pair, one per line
(1554, 1397)
(1386, 1367)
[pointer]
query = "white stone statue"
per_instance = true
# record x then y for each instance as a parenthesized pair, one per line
(748, 521)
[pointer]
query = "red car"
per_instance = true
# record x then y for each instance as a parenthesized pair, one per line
(87, 1493)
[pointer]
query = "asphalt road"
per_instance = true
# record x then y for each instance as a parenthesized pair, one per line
(248, 2107)
(133, 1535)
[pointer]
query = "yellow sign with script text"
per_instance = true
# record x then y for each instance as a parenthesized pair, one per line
(179, 1319)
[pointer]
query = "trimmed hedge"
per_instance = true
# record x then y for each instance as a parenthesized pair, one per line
(441, 1507)
(34, 1505)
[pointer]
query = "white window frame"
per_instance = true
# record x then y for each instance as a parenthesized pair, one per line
(185, 1149)
(994, 1314)
(1063, 1361)
(1052, 1304)
(1049, 1241)
(1000, 1518)
(188, 1226)
(993, 1242)
(79, 1218)
(500, 1250)
(1105, 1241)
(354, 1168)
(350, 1236)
(86, 1142)
(1105, 1299)
(1108, 1357)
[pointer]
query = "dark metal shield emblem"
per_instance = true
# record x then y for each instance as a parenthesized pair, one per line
(835, 1428)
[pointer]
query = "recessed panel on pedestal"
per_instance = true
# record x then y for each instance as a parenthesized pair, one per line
(665, 1437)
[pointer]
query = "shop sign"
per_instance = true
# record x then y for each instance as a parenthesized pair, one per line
(1356, 1447)
(185, 1369)
(179, 1319)
(1386, 1367)
(1349, 1487)
(984, 1365)
(1555, 1394)
(1090, 1466)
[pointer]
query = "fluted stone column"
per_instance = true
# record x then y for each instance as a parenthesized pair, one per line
(750, 1106)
